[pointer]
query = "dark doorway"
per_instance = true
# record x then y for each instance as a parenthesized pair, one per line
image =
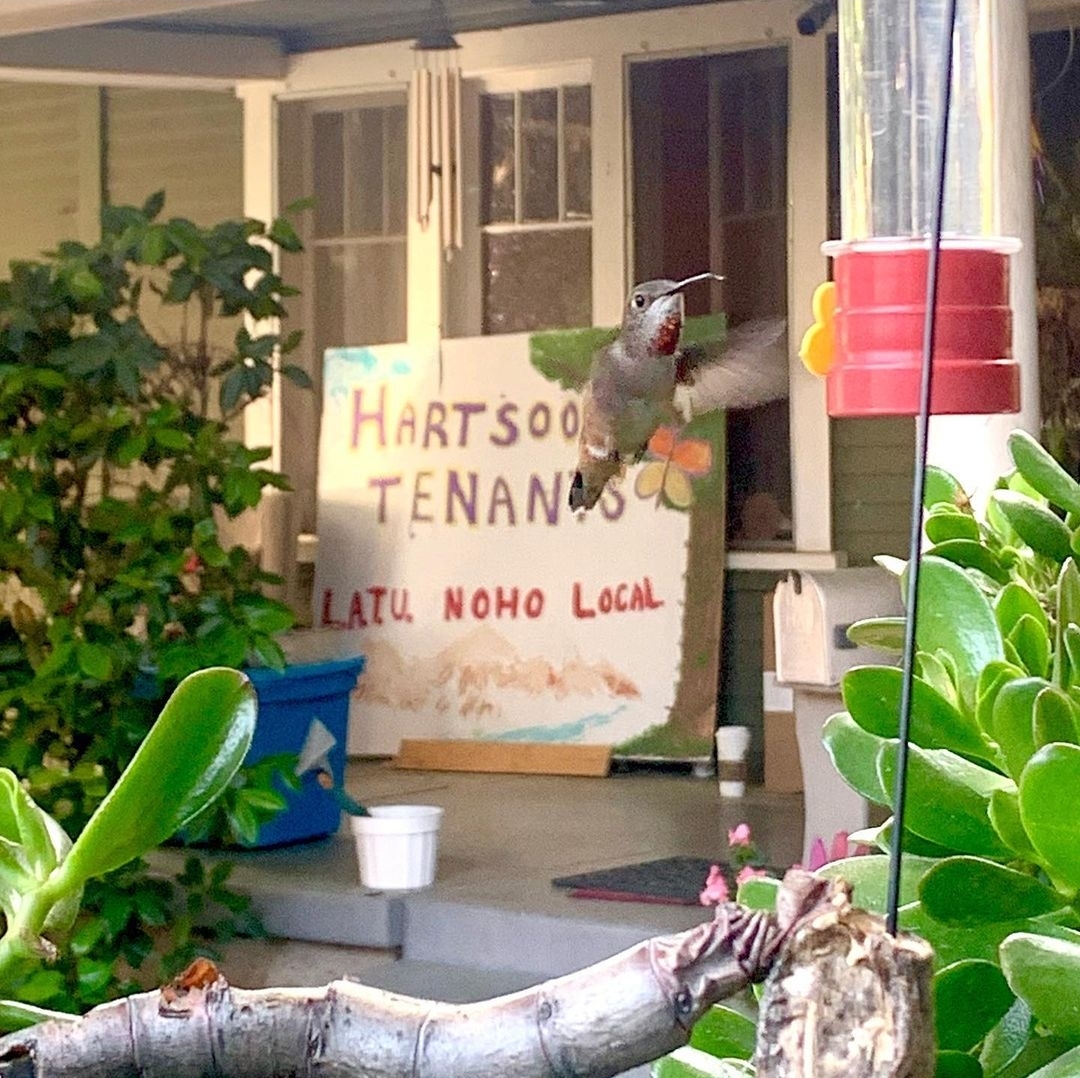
(709, 136)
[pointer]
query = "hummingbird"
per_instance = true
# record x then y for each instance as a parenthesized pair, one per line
(644, 379)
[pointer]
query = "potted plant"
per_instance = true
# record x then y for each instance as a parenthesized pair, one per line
(119, 473)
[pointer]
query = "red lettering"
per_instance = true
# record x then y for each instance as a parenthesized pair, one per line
(620, 597)
(327, 603)
(356, 612)
(506, 602)
(604, 601)
(579, 610)
(637, 598)
(481, 604)
(651, 602)
(402, 612)
(453, 604)
(377, 591)
(534, 603)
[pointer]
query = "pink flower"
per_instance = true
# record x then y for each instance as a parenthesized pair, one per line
(818, 857)
(716, 888)
(748, 872)
(739, 836)
(838, 849)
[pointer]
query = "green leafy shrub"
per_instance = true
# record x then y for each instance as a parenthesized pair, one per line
(991, 871)
(118, 467)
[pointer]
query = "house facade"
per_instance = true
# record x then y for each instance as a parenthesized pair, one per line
(516, 181)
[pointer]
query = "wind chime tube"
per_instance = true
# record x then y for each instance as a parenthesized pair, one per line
(890, 82)
(423, 146)
(459, 226)
(446, 191)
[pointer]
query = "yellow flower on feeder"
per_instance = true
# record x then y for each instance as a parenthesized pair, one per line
(818, 346)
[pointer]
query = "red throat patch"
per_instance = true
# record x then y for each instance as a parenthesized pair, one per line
(667, 336)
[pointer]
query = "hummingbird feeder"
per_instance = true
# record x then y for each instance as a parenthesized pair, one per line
(868, 338)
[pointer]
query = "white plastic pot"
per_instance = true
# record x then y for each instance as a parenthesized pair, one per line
(397, 846)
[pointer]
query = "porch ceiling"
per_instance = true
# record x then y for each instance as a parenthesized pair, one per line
(236, 39)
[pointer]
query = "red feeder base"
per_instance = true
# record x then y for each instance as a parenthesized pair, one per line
(880, 311)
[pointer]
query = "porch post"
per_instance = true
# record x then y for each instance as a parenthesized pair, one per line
(972, 447)
(808, 215)
(262, 418)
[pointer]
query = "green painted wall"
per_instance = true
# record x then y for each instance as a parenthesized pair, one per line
(873, 468)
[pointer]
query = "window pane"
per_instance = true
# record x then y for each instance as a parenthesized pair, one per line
(364, 151)
(731, 148)
(539, 156)
(577, 148)
(537, 280)
(497, 158)
(397, 183)
(360, 295)
(329, 173)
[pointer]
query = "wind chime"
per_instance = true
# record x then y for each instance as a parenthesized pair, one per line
(435, 115)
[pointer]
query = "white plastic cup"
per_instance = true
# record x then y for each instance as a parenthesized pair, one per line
(732, 745)
(397, 846)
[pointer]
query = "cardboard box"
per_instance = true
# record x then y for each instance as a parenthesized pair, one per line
(783, 769)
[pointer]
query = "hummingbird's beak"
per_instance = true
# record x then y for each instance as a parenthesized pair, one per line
(680, 285)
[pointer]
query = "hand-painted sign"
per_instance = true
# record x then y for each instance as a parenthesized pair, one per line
(487, 608)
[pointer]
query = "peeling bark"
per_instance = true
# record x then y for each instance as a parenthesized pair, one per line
(847, 999)
(627, 1010)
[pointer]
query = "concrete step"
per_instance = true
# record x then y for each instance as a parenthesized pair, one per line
(451, 932)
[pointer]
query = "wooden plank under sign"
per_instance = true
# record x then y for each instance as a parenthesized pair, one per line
(524, 758)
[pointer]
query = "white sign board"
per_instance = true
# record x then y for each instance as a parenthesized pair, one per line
(487, 609)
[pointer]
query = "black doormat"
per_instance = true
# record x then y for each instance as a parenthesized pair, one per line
(674, 881)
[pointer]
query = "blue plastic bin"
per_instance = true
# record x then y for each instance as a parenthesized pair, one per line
(288, 702)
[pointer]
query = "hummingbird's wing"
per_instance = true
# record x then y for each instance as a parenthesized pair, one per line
(749, 368)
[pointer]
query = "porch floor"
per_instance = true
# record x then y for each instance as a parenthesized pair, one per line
(492, 922)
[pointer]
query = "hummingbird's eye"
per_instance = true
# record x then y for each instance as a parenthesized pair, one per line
(639, 300)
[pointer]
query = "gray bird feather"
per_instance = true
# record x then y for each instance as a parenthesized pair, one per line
(645, 379)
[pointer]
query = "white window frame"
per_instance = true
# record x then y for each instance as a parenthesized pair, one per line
(469, 300)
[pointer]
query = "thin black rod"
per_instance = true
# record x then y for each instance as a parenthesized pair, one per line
(922, 429)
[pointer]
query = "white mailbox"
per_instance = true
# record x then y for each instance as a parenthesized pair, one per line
(811, 615)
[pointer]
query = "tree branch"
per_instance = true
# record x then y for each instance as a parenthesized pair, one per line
(599, 1021)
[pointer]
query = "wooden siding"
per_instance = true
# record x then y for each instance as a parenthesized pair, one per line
(188, 142)
(48, 146)
(872, 462)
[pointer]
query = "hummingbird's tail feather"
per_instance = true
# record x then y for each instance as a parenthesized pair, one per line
(579, 499)
(590, 479)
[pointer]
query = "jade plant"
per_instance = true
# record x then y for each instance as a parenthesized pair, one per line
(118, 465)
(186, 761)
(991, 866)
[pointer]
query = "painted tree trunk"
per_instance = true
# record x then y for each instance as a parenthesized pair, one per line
(694, 710)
